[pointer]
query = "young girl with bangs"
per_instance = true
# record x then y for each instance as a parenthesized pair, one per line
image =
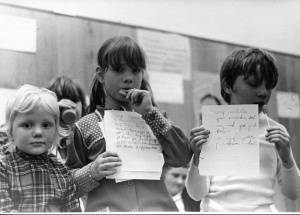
(248, 76)
(120, 84)
(32, 179)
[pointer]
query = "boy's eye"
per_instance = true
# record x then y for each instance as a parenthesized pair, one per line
(136, 70)
(252, 83)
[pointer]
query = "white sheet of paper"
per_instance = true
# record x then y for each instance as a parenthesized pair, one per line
(128, 134)
(233, 146)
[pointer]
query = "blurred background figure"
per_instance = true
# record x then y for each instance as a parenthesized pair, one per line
(174, 179)
(72, 104)
(208, 99)
(3, 142)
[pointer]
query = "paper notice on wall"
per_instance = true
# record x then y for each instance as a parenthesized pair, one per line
(5, 94)
(166, 52)
(167, 87)
(287, 104)
(18, 33)
(233, 146)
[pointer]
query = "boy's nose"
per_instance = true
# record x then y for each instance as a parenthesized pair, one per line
(262, 91)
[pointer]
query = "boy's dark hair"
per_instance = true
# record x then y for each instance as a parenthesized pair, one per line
(110, 54)
(245, 62)
(65, 88)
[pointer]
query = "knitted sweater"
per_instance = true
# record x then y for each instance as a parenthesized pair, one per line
(247, 194)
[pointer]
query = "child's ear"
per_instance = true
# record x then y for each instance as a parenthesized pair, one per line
(100, 74)
(226, 87)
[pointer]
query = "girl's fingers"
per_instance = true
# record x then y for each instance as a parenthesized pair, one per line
(135, 96)
(109, 172)
(109, 154)
(108, 166)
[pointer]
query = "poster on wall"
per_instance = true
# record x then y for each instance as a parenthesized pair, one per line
(206, 91)
(169, 64)
(18, 33)
(5, 94)
(287, 104)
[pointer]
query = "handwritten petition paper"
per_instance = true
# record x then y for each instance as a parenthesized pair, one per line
(232, 147)
(128, 134)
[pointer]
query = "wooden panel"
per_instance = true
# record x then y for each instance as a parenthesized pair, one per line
(68, 45)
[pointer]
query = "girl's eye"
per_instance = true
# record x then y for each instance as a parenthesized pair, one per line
(47, 125)
(118, 69)
(26, 125)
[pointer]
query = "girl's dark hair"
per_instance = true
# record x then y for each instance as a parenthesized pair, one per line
(65, 88)
(110, 54)
(245, 62)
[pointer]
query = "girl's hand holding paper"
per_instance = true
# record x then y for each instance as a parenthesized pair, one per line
(105, 165)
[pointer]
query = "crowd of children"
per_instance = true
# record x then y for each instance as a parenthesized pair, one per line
(52, 163)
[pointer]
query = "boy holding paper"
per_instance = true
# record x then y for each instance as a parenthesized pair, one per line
(247, 77)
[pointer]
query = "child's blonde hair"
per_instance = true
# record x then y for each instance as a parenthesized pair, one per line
(27, 99)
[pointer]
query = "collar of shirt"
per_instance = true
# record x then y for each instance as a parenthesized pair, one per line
(30, 157)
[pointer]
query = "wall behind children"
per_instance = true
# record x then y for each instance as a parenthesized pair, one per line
(67, 45)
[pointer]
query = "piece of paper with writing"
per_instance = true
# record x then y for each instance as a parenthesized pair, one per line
(128, 134)
(233, 146)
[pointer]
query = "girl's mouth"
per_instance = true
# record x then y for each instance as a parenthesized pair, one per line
(38, 143)
(124, 91)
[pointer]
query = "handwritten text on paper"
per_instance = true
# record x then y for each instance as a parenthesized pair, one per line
(232, 147)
